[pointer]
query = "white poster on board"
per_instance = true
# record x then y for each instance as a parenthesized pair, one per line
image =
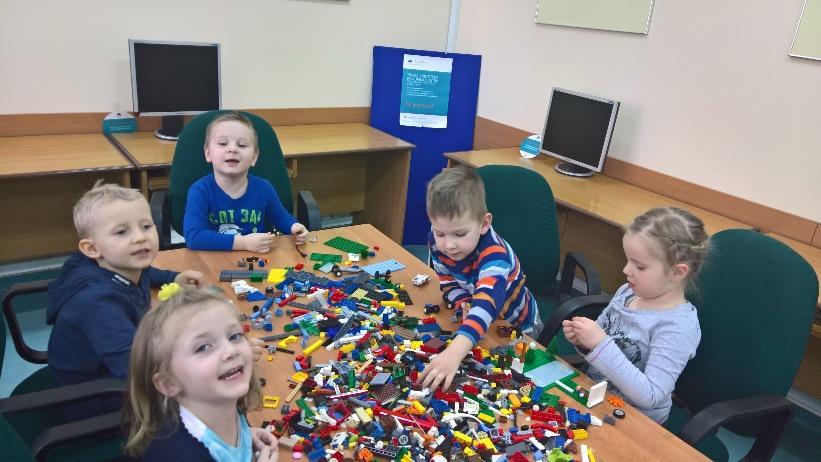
(425, 91)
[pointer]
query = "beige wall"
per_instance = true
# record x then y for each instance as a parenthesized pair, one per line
(59, 56)
(709, 96)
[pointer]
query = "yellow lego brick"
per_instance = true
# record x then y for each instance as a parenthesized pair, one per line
(579, 434)
(497, 370)
(416, 344)
(347, 348)
(314, 346)
(514, 401)
(469, 452)
(506, 411)
(486, 418)
(276, 275)
(299, 377)
(487, 443)
(270, 402)
(462, 438)
(284, 342)
(363, 415)
(359, 293)
(369, 411)
(392, 303)
(525, 399)
(417, 406)
(270, 358)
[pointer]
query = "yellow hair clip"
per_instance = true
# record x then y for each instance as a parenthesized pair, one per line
(168, 290)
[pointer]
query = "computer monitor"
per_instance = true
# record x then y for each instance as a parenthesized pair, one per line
(172, 79)
(577, 130)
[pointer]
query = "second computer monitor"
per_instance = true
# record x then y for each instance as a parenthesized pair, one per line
(577, 129)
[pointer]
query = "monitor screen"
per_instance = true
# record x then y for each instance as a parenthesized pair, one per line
(578, 128)
(174, 77)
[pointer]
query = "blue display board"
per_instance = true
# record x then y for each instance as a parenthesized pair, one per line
(427, 159)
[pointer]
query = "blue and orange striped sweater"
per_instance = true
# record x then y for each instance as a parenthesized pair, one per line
(491, 280)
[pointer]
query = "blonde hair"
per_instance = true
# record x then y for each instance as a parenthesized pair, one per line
(232, 116)
(680, 236)
(99, 194)
(147, 410)
(456, 191)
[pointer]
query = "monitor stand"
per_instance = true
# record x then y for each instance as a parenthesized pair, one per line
(567, 168)
(170, 129)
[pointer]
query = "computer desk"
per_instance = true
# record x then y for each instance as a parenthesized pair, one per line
(350, 168)
(41, 177)
(634, 438)
(598, 208)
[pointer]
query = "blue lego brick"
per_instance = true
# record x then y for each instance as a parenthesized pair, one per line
(383, 266)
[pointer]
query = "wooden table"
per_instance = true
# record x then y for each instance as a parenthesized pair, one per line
(350, 168)
(594, 211)
(41, 177)
(634, 438)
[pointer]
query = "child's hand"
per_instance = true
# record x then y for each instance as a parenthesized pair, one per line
(300, 233)
(570, 333)
(257, 348)
(588, 333)
(442, 369)
(189, 279)
(256, 242)
(266, 444)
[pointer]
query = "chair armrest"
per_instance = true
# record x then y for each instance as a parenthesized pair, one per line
(587, 305)
(572, 261)
(307, 211)
(80, 429)
(160, 214)
(775, 410)
(16, 290)
(61, 395)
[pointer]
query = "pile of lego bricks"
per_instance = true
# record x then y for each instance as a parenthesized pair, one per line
(367, 404)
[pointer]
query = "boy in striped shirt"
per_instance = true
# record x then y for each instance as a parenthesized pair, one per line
(475, 266)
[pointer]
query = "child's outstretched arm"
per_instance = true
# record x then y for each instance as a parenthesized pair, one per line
(671, 347)
(442, 369)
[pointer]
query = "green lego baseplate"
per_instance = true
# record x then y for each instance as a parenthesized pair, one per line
(346, 245)
(568, 382)
(326, 257)
(536, 357)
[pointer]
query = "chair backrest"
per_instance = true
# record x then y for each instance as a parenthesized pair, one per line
(756, 300)
(189, 163)
(524, 214)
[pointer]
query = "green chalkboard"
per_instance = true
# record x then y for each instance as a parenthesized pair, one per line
(617, 15)
(807, 40)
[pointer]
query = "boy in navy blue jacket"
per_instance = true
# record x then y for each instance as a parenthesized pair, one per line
(103, 291)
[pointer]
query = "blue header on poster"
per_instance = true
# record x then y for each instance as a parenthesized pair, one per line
(431, 143)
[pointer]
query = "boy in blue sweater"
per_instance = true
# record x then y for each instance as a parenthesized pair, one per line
(231, 209)
(103, 291)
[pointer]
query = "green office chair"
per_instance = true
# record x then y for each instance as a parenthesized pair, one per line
(524, 214)
(93, 439)
(756, 300)
(33, 410)
(189, 165)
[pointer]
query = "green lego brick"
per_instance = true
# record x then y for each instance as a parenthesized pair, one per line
(326, 257)
(536, 358)
(549, 400)
(347, 245)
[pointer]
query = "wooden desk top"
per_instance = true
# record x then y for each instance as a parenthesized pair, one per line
(296, 141)
(56, 154)
(634, 438)
(605, 198)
